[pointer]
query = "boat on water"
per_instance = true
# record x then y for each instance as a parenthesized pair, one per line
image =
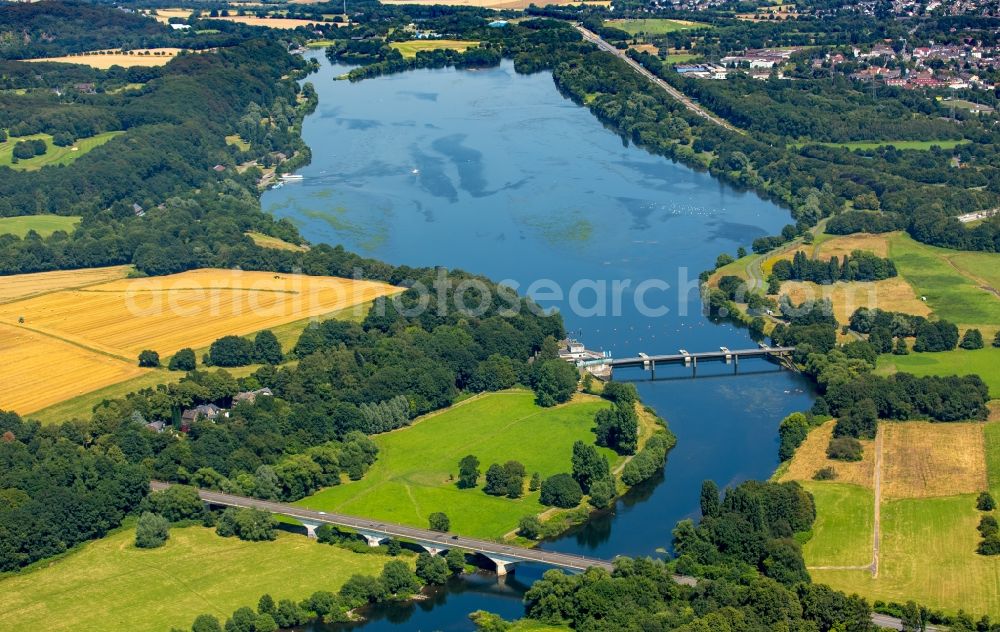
(291, 177)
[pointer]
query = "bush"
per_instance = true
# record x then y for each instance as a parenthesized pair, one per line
(149, 359)
(972, 339)
(530, 527)
(398, 579)
(183, 360)
(253, 525)
(844, 449)
(456, 560)
(985, 502)
(439, 521)
(561, 490)
(989, 546)
(231, 351)
(996, 340)
(151, 531)
(825, 474)
(988, 526)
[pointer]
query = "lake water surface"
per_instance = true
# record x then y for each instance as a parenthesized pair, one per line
(496, 173)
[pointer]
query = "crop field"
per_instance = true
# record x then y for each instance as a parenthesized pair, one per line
(190, 309)
(983, 362)
(106, 59)
(271, 23)
(951, 291)
(928, 554)
(44, 225)
(811, 456)
(924, 459)
(164, 15)
(38, 371)
(411, 48)
(654, 26)
(991, 438)
(842, 533)
(68, 334)
(20, 286)
(112, 586)
(415, 472)
(54, 155)
(892, 294)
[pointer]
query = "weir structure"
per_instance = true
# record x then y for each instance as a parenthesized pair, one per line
(607, 365)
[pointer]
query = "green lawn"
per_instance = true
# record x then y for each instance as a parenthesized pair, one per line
(928, 555)
(110, 585)
(409, 49)
(983, 362)
(952, 295)
(681, 58)
(410, 480)
(54, 155)
(44, 225)
(842, 533)
(654, 26)
(991, 431)
(922, 145)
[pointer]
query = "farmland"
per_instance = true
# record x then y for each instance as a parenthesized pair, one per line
(413, 476)
(44, 225)
(495, 4)
(411, 48)
(271, 23)
(654, 26)
(111, 585)
(842, 533)
(983, 362)
(64, 343)
(20, 286)
(893, 294)
(54, 155)
(106, 59)
(811, 456)
(923, 459)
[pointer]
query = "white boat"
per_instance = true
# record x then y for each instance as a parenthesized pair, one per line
(291, 177)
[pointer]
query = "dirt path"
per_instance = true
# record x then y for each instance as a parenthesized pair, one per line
(983, 284)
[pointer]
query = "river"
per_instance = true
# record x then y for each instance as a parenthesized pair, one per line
(498, 174)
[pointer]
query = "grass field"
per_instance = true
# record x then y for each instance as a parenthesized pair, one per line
(411, 478)
(54, 155)
(266, 241)
(164, 15)
(950, 290)
(44, 225)
(110, 585)
(842, 533)
(62, 344)
(654, 26)
(922, 145)
(20, 286)
(991, 441)
(272, 23)
(106, 59)
(922, 459)
(410, 48)
(983, 362)
(811, 456)
(928, 555)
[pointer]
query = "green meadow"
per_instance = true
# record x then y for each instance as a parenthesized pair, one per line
(842, 533)
(983, 362)
(44, 225)
(54, 155)
(920, 145)
(112, 586)
(417, 467)
(654, 26)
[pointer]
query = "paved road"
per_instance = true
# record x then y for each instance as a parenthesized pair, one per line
(595, 39)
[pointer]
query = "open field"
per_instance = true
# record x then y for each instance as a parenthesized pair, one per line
(271, 23)
(842, 533)
(106, 59)
(411, 48)
(54, 155)
(928, 554)
(20, 286)
(980, 266)
(811, 456)
(654, 26)
(951, 291)
(266, 241)
(496, 4)
(922, 459)
(921, 145)
(164, 15)
(893, 294)
(412, 477)
(44, 225)
(112, 586)
(38, 371)
(991, 440)
(191, 309)
(983, 362)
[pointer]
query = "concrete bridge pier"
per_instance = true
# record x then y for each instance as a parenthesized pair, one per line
(431, 548)
(504, 564)
(373, 538)
(310, 528)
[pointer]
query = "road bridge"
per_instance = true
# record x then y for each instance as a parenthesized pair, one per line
(686, 358)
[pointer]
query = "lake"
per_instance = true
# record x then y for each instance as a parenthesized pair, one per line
(498, 174)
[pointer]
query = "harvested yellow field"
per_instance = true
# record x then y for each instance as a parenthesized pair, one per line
(164, 15)
(893, 294)
(272, 23)
(191, 309)
(811, 456)
(106, 59)
(845, 245)
(922, 459)
(21, 286)
(38, 371)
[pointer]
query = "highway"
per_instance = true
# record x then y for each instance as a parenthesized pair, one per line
(595, 39)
